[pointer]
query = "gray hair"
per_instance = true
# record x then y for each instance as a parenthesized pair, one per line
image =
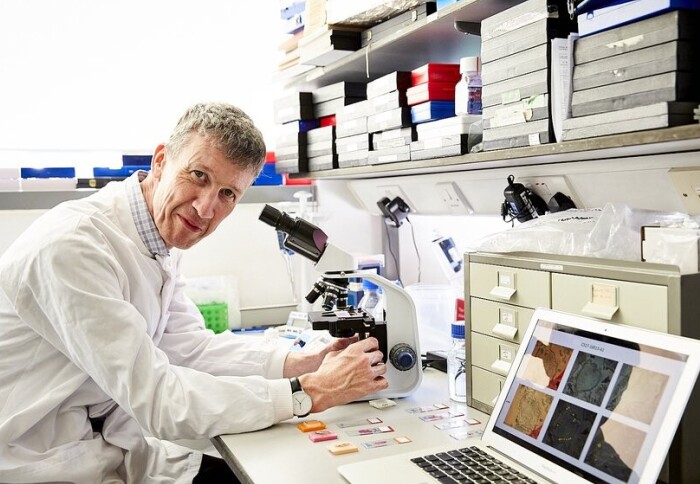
(228, 127)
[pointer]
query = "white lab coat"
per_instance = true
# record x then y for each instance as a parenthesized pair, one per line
(91, 325)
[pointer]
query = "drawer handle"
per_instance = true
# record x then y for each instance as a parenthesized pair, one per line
(600, 311)
(501, 367)
(502, 292)
(505, 331)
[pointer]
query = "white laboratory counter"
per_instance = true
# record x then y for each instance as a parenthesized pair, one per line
(282, 453)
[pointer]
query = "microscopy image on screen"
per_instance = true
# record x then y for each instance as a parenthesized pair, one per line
(547, 364)
(637, 393)
(589, 378)
(615, 449)
(528, 411)
(569, 428)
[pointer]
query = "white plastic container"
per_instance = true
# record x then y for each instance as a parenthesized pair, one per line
(217, 289)
(456, 369)
(435, 308)
(468, 89)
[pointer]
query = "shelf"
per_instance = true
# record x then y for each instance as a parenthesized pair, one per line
(432, 39)
(42, 200)
(652, 142)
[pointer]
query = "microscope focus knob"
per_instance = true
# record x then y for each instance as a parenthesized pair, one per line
(403, 357)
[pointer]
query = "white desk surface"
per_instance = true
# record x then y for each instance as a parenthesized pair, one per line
(282, 453)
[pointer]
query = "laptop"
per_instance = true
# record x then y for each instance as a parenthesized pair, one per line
(584, 401)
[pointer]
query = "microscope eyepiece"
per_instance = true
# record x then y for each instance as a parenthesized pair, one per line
(270, 215)
(303, 237)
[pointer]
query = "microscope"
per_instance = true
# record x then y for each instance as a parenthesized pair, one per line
(397, 334)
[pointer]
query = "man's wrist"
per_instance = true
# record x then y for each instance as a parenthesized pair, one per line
(301, 401)
(315, 391)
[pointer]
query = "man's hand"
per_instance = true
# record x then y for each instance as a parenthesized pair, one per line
(298, 363)
(346, 375)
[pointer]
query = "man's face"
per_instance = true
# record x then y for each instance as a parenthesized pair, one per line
(194, 191)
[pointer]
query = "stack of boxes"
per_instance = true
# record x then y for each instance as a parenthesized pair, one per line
(323, 44)
(268, 175)
(643, 75)
(515, 56)
(388, 27)
(445, 137)
(292, 15)
(295, 114)
(327, 45)
(328, 100)
(320, 149)
(432, 92)
(352, 139)
(389, 120)
(438, 130)
(51, 178)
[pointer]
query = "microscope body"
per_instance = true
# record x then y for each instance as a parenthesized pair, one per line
(397, 334)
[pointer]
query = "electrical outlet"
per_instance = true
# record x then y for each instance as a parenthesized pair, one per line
(369, 192)
(453, 199)
(547, 186)
(390, 192)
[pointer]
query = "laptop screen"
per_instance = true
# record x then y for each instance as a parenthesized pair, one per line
(588, 402)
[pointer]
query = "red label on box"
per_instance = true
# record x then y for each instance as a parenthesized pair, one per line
(327, 121)
(459, 309)
(435, 73)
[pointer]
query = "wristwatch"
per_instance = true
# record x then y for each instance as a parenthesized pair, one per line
(301, 401)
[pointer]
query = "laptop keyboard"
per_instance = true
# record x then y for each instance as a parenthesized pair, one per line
(468, 465)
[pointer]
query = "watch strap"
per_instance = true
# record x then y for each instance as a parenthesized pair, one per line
(296, 385)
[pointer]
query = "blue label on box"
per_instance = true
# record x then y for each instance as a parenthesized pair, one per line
(140, 160)
(432, 111)
(55, 172)
(268, 176)
(123, 171)
(292, 10)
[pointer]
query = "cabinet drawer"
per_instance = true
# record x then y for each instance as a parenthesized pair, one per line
(486, 386)
(499, 320)
(636, 304)
(492, 354)
(522, 287)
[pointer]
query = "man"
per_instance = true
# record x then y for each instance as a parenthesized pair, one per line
(103, 360)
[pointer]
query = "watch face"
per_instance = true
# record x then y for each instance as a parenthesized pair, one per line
(302, 403)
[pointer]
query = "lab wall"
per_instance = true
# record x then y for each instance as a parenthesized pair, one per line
(359, 230)
(86, 80)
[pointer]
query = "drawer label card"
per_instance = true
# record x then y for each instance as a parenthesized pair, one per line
(506, 285)
(506, 353)
(506, 279)
(508, 317)
(604, 295)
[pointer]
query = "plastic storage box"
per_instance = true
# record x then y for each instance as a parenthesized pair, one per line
(215, 316)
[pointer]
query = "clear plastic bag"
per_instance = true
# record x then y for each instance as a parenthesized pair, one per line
(611, 232)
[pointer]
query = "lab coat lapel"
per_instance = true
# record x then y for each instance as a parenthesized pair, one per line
(166, 295)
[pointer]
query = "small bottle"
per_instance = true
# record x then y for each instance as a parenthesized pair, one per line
(468, 89)
(456, 370)
(372, 300)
